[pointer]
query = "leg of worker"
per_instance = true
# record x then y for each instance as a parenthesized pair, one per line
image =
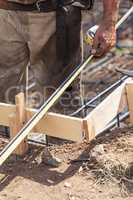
(14, 54)
(41, 28)
(48, 69)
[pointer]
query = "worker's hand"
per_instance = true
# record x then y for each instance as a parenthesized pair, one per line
(105, 39)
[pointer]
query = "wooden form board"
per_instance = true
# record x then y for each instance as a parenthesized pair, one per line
(106, 111)
(129, 90)
(52, 124)
(72, 128)
(61, 126)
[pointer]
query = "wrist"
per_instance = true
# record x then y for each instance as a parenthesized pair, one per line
(110, 17)
(109, 21)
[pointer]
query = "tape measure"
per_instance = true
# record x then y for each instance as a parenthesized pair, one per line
(90, 34)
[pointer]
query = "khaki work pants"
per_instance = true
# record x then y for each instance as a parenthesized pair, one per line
(29, 37)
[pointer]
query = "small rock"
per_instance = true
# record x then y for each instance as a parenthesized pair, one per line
(53, 162)
(100, 191)
(67, 185)
(73, 198)
(97, 152)
(38, 160)
(50, 181)
(80, 169)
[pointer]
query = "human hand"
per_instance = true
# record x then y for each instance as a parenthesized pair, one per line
(105, 38)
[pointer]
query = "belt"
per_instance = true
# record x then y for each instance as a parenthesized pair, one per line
(40, 6)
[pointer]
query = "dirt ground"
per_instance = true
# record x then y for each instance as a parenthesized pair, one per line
(81, 174)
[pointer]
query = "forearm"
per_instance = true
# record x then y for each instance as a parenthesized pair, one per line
(110, 12)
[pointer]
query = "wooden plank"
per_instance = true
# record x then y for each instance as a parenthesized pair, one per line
(17, 120)
(129, 89)
(52, 124)
(5, 112)
(106, 111)
(60, 126)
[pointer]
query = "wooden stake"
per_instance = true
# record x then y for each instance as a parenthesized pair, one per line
(129, 89)
(17, 121)
(89, 129)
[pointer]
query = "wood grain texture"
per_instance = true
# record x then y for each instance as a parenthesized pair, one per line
(52, 124)
(17, 120)
(106, 111)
